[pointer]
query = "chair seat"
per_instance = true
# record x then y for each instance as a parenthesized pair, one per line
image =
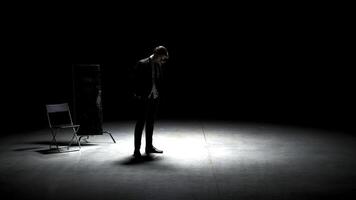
(66, 126)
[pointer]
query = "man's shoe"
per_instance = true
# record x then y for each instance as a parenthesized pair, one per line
(153, 150)
(137, 154)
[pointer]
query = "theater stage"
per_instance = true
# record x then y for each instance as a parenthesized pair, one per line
(201, 160)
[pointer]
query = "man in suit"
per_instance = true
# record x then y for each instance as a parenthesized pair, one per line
(147, 80)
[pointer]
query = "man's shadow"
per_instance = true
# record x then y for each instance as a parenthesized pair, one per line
(140, 160)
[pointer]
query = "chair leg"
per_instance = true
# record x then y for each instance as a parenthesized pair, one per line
(54, 133)
(110, 136)
(78, 140)
(71, 141)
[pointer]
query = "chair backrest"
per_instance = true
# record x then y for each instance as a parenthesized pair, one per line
(53, 108)
(58, 108)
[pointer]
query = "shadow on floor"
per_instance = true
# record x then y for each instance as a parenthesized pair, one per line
(57, 151)
(27, 148)
(143, 159)
(62, 143)
(152, 163)
(43, 147)
(47, 150)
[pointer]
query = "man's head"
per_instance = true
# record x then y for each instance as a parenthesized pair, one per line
(160, 54)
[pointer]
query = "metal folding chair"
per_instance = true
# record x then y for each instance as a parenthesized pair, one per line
(55, 124)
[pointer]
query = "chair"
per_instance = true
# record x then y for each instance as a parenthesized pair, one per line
(59, 117)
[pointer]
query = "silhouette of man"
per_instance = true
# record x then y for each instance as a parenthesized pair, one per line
(147, 78)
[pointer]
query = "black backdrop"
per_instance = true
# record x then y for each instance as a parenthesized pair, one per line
(272, 68)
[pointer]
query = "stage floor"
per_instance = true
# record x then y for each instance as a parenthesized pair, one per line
(201, 160)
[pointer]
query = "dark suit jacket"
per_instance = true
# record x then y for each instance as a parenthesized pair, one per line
(141, 78)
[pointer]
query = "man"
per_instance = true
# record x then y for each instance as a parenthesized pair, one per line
(147, 78)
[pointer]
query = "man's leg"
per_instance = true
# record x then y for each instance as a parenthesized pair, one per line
(152, 109)
(140, 123)
(138, 134)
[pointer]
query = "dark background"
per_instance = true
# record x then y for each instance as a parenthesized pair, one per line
(279, 67)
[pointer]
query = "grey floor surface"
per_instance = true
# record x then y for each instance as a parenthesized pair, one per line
(201, 160)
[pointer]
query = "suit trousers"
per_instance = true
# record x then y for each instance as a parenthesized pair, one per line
(146, 111)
